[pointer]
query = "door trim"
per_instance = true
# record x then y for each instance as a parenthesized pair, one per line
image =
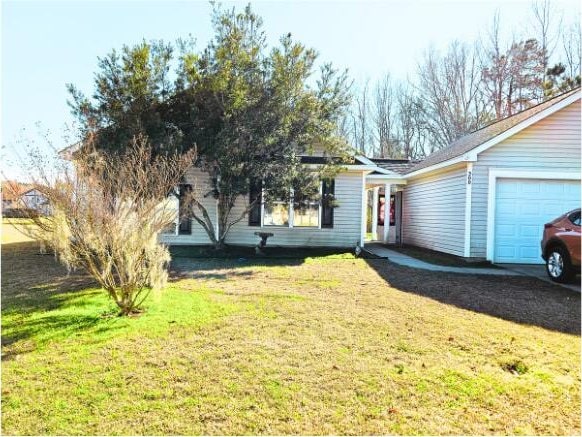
(498, 173)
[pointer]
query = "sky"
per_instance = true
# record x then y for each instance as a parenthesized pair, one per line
(47, 44)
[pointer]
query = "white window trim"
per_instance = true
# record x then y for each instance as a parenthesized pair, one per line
(320, 205)
(468, 209)
(498, 173)
(291, 209)
(177, 222)
(291, 223)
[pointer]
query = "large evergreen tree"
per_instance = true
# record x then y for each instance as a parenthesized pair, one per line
(250, 112)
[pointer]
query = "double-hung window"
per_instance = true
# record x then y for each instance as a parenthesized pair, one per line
(314, 213)
(276, 213)
(306, 214)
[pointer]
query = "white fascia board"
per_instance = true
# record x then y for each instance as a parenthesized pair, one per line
(471, 156)
(365, 168)
(347, 167)
(468, 209)
(526, 123)
(380, 180)
(467, 157)
(392, 176)
(365, 160)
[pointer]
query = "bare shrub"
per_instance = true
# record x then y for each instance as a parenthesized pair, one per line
(106, 211)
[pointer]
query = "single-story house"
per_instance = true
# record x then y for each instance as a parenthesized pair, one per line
(486, 196)
(20, 196)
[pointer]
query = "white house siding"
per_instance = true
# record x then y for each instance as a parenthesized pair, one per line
(201, 185)
(433, 213)
(346, 229)
(550, 145)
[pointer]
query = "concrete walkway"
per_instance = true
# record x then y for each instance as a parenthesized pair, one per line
(408, 261)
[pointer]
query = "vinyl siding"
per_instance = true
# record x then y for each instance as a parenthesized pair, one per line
(345, 232)
(551, 144)
(433, 213)
(201, 185)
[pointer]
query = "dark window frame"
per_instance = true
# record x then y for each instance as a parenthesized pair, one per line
(327, 213)
(255, 192)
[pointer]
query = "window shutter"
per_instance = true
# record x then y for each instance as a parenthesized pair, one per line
(255, 211)
(328, 192)
(185, 226)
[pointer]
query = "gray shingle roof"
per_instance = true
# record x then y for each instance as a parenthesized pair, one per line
(400, 166)
(469, 142)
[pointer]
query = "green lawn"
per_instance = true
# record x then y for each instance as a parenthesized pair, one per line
(313, 345)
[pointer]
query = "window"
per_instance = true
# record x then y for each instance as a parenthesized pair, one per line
(392, 210)
(306, 215)
(381, 209)
(276, 213)
(327, 203)
(575, 218)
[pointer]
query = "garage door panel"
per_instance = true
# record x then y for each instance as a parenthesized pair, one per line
(531, 253)
(529, 209)
(529, 230)
(522, 207)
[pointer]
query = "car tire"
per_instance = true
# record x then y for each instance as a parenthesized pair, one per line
(558, 266)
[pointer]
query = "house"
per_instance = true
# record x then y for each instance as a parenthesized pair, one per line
(11, 191)
(486, 196)
(20, 196)
(489, 193)
(314, 226)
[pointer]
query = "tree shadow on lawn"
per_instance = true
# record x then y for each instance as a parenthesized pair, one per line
(518, 299)
(27, 336)
(37, 293)
(32, 281)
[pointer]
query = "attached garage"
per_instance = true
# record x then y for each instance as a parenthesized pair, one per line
(511, 177)
(522, 207)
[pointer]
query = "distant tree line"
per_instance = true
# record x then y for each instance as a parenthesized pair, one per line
(465, 87)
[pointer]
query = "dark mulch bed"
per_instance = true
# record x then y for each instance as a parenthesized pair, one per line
(438, 258)
(520, 299)
(249, 252)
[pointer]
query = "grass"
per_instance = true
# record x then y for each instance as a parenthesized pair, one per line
(314, 345)
(11, 230)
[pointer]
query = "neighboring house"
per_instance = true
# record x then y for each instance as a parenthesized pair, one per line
(11, 192)
(486, 196)
(34, 199)
(19, 196)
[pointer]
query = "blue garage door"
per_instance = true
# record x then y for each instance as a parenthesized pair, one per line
(522, 208)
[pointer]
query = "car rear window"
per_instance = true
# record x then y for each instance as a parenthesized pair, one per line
(575, 218)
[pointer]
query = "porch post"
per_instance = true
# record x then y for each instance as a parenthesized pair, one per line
(386, 211)
(363, 216)
(375, 213)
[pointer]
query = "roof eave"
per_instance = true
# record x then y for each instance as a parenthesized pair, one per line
(471, 155)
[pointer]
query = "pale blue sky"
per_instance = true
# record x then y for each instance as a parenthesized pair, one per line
(46, 44)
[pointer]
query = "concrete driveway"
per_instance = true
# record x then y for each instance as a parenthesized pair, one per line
(539, 271)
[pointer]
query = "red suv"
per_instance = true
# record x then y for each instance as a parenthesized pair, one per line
(561, 246)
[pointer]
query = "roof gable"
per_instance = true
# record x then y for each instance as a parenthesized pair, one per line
(494, 133)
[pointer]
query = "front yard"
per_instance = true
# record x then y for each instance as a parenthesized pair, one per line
(324, 345)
